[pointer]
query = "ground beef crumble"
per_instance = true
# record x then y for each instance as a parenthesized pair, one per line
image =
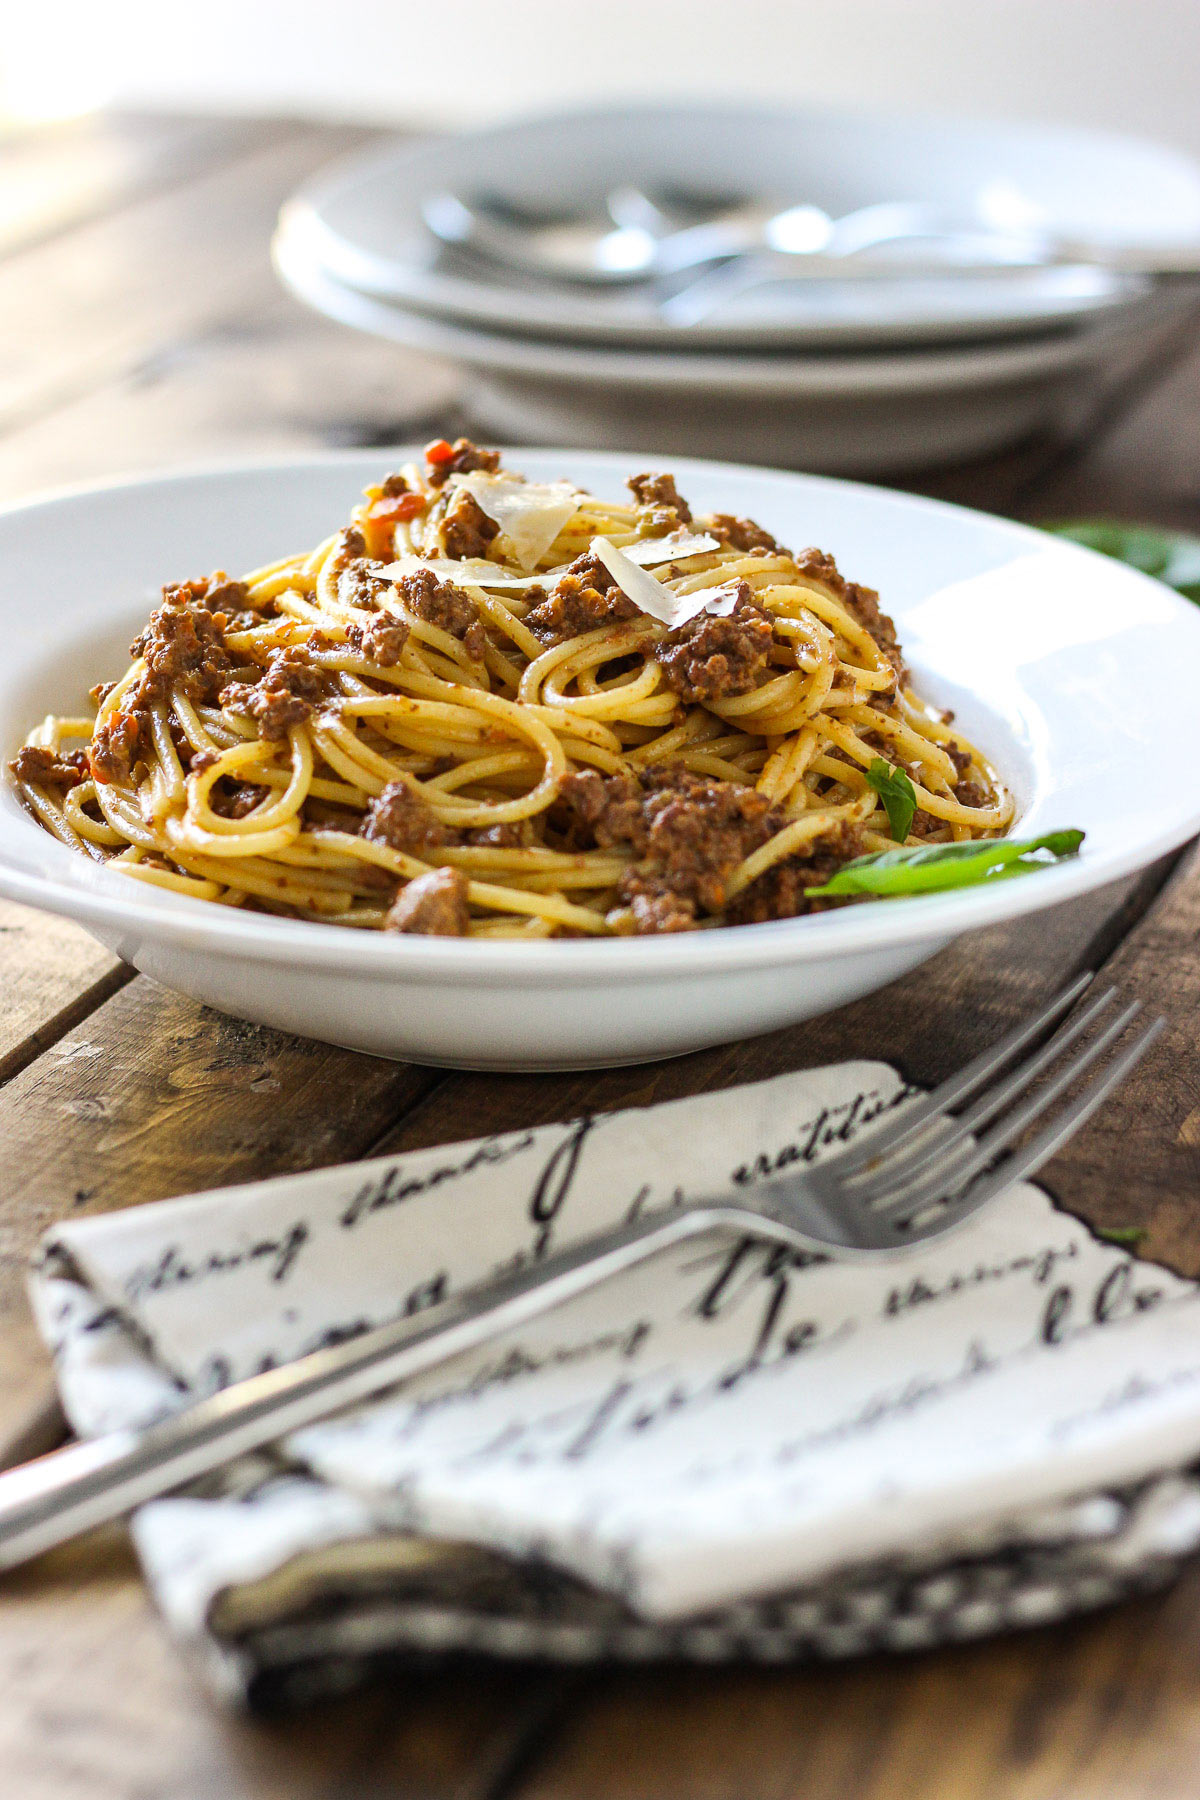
(860, 602)
(700, 830)
(400, 818)
(182, 645)
(284, 695)
(50, 768)
(467, 530)
(972, 793)
(742, 534)
(923, 826)
(465, 458)
(349, 545)
(432, 905)
(510, 835)
(649, 905)
(218, 592)
(360, 583)
(184, 641)
(780, 893)
(660, 491)
(712, 657)
(967, 791)
(248, 618)
(381, 641)
(115, 745)
(688, 834)
(442, 604)
(584, 598)
(234, 799)
(603, 811)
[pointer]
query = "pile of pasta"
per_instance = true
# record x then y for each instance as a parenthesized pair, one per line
(206, 796)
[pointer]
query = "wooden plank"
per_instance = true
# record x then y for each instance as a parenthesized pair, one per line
(1107, 1708)
(231, 365)
(1147, 467)
(1138, 1163)
(56, 176)
(153, 1092)
(152, 1095)
(147, 275)
(97, 1708)
(273, 377)
(52, 974)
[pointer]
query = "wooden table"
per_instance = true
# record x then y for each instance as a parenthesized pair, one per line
(140, 325)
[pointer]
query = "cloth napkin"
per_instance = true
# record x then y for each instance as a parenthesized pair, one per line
(732, 1451)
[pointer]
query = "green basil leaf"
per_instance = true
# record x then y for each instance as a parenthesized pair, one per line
(898, 794)
(1128, 1235)
(1170, 556)
(934, 868)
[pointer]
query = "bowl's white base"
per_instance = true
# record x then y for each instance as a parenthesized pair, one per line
(535, 1026)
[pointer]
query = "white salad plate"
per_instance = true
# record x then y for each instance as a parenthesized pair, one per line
(868, 413)
(1076, 675)
(363, 217)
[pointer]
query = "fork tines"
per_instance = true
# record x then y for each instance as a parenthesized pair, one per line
(929, 1162)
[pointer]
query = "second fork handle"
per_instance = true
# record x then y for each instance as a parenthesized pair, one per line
(47, 1502)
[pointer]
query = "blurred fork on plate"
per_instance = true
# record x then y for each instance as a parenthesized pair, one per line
(744, 244)
(900, 1186)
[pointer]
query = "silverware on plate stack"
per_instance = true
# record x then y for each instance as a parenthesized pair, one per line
(821, 290)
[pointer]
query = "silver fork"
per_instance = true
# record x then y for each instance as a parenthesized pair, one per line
(901, 1185)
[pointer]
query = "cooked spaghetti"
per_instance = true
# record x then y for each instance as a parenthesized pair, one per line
(496, 708)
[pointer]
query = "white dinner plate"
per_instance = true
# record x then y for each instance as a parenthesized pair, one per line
(363, 216)
(866, 413)
(777, 372)
(1076, 675)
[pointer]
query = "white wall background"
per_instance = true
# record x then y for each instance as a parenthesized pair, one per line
(1130, 64)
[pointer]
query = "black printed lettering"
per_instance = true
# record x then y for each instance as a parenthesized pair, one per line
(554, 1183)
(1056, 1314)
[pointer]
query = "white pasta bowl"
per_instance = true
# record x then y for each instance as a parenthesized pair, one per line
(1078, 677)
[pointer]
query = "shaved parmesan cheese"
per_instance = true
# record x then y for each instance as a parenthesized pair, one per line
(474, 571)
(637, 584)
(719, 601)
(650, 596)
(648, 551)
(644, 589)
(529, 513)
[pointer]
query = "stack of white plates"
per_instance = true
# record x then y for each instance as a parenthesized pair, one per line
(852, 376)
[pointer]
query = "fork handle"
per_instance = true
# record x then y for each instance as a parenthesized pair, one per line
(47, 1502)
